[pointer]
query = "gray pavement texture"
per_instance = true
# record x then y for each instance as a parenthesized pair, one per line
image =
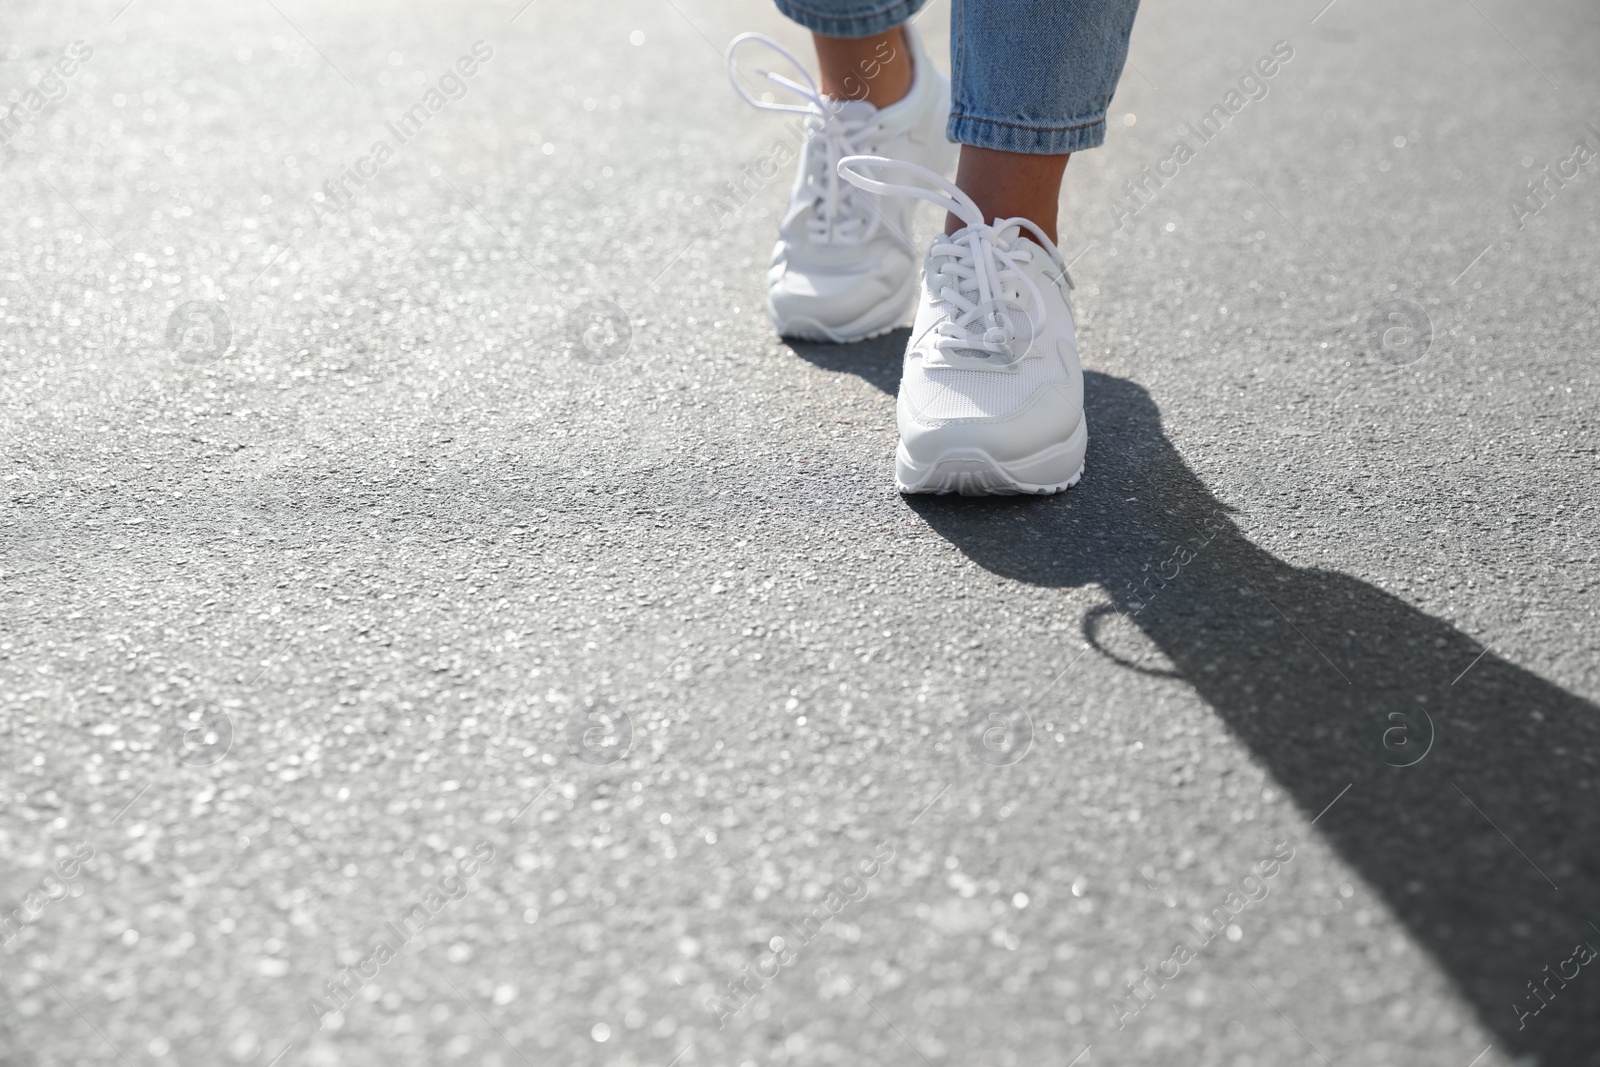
(442, 624)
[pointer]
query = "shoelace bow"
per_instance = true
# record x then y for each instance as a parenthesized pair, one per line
(983, 260)
(839, 215)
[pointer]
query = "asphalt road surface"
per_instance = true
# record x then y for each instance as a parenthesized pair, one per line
(442, 624)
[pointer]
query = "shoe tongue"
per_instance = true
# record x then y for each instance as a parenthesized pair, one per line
(1019, 336)
(845, 111)
(852, 110)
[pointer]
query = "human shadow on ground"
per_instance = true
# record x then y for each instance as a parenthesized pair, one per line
(876, 361)
(1465, 786)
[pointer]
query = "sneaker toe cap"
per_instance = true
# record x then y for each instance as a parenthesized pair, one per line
(1048, 415)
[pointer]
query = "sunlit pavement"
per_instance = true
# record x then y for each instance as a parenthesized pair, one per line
(443, 624)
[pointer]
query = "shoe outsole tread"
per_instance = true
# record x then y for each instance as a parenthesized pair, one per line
(991, 482)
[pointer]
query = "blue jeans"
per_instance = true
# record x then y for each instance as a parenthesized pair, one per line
(1031, 76)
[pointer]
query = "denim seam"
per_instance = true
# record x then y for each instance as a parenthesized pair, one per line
(1021, 126)
(958, 48)
(1002, 136)
(855, 19)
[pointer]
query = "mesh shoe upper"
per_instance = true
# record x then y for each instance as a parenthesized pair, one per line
(992, 364)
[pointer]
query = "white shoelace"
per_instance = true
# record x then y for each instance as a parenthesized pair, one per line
(984, 262)
(839, 215)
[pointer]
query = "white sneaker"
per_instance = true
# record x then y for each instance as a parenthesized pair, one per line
(991, 400)
(844, 268)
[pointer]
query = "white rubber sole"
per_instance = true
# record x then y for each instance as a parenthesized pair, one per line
(886, 316)
(973, 472)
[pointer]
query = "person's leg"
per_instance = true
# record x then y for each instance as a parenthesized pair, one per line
(876, 69)
(861, 46)
(991, 390)
(844, 267)
(1032, 80)
(1009, 185)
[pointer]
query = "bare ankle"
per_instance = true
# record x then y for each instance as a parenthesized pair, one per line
(1008, 185)
(876, 69)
